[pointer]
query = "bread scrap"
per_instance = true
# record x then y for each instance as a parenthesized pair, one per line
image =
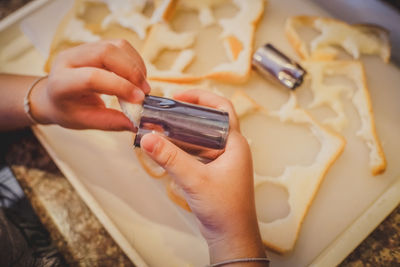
(355, 39)
(331, 96)
(302, 182)
(130, 14)
(204, 9)
(237, 36)
(70, 32)
(162, 37)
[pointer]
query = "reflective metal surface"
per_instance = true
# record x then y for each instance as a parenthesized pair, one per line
(198, 130)
(273, 64)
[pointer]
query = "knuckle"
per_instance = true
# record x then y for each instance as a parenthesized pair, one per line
(135, 75)
(107, 49)
(170, 159)
(121, 43)
(91, 79)
(124, 88)
(141, 68)
(229, 104)
(226, 104)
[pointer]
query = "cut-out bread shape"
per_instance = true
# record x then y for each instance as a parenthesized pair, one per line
(133, 15)
(130, 14)
(355, 39)
(301, 182)
(162, 37)
(237, 37)
(331, 95)
(204, 9)
(73, 30)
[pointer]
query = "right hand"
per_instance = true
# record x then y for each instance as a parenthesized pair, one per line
(70, 96)
(220, 193)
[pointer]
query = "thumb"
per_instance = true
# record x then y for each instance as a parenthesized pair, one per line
(174, 160)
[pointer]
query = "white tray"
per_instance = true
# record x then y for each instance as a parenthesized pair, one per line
(134, 208)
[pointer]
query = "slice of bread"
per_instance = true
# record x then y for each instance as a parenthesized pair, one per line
(237, 37)
(355, 39)
(332, 96)
(302, 182)
(129, 15)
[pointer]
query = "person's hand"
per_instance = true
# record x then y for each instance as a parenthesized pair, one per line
(70, 96)
(219, 193)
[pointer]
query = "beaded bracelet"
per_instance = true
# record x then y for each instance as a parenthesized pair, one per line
(27, 103)
(265, 260)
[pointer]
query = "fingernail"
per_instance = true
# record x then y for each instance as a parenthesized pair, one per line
(145, 86)
(149, 142)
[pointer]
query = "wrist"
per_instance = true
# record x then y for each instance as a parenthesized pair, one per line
(38, 102)
(237, 245)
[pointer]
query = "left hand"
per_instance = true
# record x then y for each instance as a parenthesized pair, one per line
(70, 96)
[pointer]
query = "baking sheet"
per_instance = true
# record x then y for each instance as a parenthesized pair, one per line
(136, 211)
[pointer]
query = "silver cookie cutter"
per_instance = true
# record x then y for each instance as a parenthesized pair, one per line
(273, 64)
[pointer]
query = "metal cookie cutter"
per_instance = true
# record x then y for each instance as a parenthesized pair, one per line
(272, 63)
(199, 130)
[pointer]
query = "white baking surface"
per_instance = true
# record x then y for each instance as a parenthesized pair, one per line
(103, 165)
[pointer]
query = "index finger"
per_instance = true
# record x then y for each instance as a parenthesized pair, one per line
(128, 48)
(209, 99)
(108, 55)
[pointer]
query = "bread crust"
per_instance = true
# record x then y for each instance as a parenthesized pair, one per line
(332, 145)
(230, 76)
(301, 47)
(60, 42)
(355, 71)
(58, 37)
